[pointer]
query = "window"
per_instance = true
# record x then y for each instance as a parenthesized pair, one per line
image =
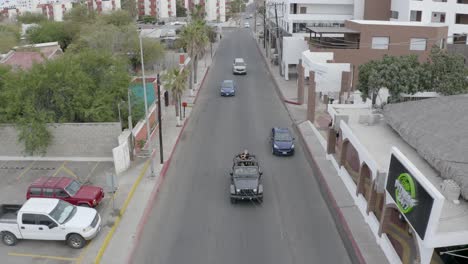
(44, 220)
(60, 193)
(35, 191)
(380, 42)
(415, 15)
(29, 219)
(303, 10)
(394, 14)
(49, 192)
(418, 44)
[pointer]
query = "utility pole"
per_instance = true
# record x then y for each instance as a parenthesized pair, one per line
(130, 123)
(159, 121)
(278, 39)
(148, 133)
(255, 19)
(264, 26)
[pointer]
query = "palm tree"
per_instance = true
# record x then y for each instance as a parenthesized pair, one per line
(175, 80)
(194, 39)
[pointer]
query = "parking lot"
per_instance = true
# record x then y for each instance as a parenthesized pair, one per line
(16, 176)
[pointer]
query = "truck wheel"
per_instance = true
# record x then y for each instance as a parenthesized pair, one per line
(9, 239)
(233, 200)
(76, 241)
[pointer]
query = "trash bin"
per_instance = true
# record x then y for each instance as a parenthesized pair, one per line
(166, 98)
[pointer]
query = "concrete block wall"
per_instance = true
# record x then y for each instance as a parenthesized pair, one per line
(88, 140)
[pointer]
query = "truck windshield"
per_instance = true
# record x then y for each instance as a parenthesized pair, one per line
(73, 188)
(63, 212)
(246, 172)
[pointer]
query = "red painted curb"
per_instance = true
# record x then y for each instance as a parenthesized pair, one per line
(291, 102)
(153, 196)
(334, 204)
(156, 188)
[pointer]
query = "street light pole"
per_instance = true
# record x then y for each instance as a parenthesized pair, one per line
(130, 124)
(159, 121)
(148, 134)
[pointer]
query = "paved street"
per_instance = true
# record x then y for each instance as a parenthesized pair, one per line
(193, 221)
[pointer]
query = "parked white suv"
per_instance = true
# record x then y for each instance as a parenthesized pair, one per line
(48, 219)
(239, 66)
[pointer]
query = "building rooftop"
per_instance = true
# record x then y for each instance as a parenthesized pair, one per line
(331, 30)
(379, 138)
(24, 57)
(398, 23)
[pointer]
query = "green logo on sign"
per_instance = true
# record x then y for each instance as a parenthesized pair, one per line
(405, 193)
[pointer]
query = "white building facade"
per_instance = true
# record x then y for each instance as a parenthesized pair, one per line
(295, 15)
(161, 9)
(453, 13)
(215, 10)
(55, 10)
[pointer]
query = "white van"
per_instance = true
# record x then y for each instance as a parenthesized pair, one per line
(239, 66)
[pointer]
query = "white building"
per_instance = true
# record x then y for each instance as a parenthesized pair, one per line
(453, 13)
(295, 15)
(215, 9)
(104, 6)
(55, 10)
(162, 9)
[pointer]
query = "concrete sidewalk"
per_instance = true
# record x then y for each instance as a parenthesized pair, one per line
(356, 234)
(138, 189)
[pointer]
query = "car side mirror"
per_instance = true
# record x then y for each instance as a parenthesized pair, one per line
(230, 173)
(52, 225)
(294, 138)
(261, 173)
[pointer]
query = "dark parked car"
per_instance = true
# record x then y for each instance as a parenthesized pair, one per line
(246, 179)
(282, 142)
(66, 189)
(228, 88)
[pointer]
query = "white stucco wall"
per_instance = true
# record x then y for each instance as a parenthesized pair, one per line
(327, 75)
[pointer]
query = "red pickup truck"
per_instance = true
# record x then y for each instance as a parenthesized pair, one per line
(66, 189)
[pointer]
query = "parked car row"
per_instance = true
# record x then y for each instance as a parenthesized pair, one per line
(57, 208)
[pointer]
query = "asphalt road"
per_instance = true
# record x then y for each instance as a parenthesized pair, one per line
(193, 221)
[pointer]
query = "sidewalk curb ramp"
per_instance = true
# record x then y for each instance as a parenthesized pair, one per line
(155, 191)
(349, 242)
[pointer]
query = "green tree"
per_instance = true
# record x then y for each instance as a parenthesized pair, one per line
(148, 19)
(175, 80)
(194, 40)
(51, 31)
(117, 18)
(153, 51)
(181, 11)
(235, 8)
(9, 37)
(130, 7)
(30, 18)
(197, 12)
(448, 72)
(80, 14)
(398, 74)
(81, 87)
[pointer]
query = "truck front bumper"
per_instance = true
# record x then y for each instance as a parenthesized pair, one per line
(247, 197)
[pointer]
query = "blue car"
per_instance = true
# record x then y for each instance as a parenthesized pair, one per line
(228, 88)
(282, 142)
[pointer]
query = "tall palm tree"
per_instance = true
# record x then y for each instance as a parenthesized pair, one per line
(175, 80)
(194, 39)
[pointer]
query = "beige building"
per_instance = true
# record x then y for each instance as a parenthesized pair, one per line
(361, 41)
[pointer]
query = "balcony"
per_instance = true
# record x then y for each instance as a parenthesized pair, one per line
(318, 38)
